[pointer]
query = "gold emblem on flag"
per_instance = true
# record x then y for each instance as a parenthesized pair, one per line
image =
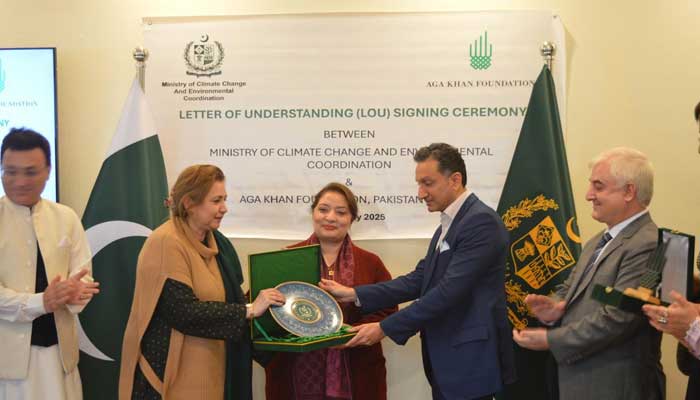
(525, 209)
(515, 296)
(540, 254)
(536, 257)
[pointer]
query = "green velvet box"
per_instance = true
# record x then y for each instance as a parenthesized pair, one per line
(272, 268)
(617, 299)
(676, 273)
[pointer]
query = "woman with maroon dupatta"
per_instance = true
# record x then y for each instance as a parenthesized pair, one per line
(357, 373)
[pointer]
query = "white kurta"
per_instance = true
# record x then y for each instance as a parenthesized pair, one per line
(45, 379)
(34, 372)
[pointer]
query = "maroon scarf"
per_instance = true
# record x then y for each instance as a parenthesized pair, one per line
(325, 373)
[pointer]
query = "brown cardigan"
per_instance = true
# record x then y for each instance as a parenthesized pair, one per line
(367, 364)
(196, 366)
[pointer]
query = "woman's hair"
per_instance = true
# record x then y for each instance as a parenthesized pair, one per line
(193, 183)
(343, 191)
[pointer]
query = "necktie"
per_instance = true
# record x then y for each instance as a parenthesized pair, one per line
(589, 266)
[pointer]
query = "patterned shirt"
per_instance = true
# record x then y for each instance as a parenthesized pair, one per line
(178, 308)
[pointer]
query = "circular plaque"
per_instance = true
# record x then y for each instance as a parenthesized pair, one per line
(308, 310)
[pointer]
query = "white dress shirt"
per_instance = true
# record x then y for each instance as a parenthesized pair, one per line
(449, 214)
(615, 230)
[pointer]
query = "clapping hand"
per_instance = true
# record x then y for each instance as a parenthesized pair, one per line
(75, 291)
(531, 338)
(545, 308)
(84, 286)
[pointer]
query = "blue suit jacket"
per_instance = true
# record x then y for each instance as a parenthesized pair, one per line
(460, 306)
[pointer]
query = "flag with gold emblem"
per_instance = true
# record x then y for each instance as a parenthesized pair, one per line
(537, 208)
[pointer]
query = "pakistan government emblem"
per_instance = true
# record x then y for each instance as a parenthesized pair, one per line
(204, 58)
(480, 52)
(540, 254)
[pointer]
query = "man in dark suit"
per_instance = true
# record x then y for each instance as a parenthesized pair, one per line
(458, 288)
(603, 352)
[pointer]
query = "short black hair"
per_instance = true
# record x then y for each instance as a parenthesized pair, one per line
(21, 139)
(697, 112)
(448, 158)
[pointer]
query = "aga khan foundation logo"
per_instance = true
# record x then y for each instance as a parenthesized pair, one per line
(480, 52)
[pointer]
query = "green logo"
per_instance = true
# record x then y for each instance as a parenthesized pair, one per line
(2, 77)
(480, 52)
(306, 311)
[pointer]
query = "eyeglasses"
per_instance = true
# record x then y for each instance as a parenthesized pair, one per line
(29, 173)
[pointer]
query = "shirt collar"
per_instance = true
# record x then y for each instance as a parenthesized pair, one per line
(615, 230)
(23, 210)
(451, 211)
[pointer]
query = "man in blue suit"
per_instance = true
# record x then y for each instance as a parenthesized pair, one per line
(458, 288)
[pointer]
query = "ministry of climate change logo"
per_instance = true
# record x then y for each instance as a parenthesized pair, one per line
(480, 52)
(204, 58)
(2, 77)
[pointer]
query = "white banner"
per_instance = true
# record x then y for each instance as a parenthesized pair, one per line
(28, 100)
(286, 104)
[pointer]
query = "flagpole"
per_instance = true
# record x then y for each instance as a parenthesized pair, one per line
(548, 50)
(141, 55)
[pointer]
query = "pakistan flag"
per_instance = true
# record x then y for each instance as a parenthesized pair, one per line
(538, 210)
(125, 205)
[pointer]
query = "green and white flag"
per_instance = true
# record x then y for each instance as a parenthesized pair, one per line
(125, 205)
(537, 208)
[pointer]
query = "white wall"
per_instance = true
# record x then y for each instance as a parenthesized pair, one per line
(634, 78)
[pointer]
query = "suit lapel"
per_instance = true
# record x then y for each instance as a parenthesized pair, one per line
(580, 266)
(629, 231)
(431, 259)
(449, 238)
(452, 232)
(626, 233)
(586, 280)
